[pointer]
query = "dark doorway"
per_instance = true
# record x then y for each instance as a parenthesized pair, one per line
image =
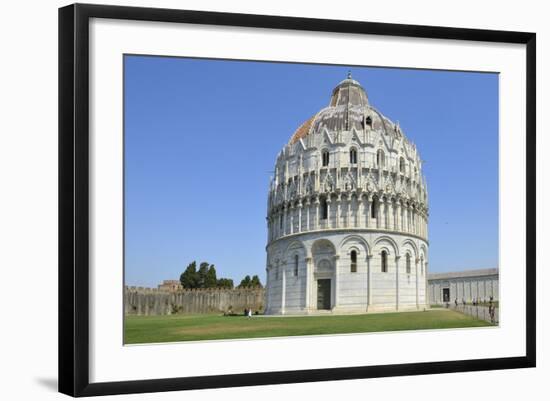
(323, 294)
(446, 295)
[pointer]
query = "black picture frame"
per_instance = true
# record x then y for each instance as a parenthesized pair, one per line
(74, 198)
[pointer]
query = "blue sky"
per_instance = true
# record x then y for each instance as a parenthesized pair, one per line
(201, 137)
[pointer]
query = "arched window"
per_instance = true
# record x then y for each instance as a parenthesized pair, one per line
(373, 208)
(325, 155)
(353, 257)
(384, 262)
(408, 263)
(295, 265)
(368, 121)
(401, 165)
(353, 156)
(380, 158)
(324, 209)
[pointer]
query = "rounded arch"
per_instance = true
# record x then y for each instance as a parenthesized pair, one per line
(323, 265)
(295, 247)
(294, 258)
(385, 240)
(360, 243)
(409, 242)
(323, 246)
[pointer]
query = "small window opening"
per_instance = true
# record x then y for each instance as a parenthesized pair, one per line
(384, 261)
(353, 266)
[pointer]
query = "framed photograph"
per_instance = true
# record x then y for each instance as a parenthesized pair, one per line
(280, 199)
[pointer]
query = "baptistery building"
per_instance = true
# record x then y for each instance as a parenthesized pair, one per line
(347, 214)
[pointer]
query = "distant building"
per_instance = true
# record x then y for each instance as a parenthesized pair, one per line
(347, 214)
(481, 284)
(170, 285)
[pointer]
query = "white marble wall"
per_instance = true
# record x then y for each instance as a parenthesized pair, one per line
(327, 254)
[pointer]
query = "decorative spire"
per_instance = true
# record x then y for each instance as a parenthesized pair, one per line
(349, 74)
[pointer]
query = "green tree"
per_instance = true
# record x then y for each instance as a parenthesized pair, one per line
(210, 280)
(255, 282)
(225, 283)
(203, 271)
(189, 278)
(245, 282)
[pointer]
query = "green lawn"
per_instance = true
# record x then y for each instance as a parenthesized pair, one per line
(155, 329)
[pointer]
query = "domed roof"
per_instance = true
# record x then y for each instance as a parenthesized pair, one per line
(348, 108)
(349, 92)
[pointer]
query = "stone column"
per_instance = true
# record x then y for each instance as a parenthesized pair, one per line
(338, 210)
(285, 207)
(397, 282)
(390, 215)
(308, 207)
(368, 200)
(309, 276)
(283, 289)
(416, 276)
(377, 209)
(403, 217)
(336, 281)
(358, 210)
(398, 216)
(384, 223)
(348, 212)
(328, 210)
(291, 218)
(316, 222)
(277, 222)
(300, 216)
(369, 281)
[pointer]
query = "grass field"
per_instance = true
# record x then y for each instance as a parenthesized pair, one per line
(155, 329)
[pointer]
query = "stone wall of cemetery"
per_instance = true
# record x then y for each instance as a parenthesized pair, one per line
(154, 301)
